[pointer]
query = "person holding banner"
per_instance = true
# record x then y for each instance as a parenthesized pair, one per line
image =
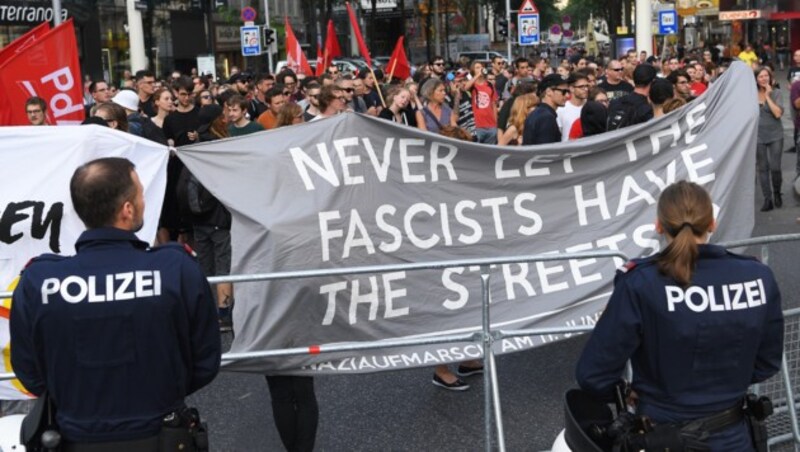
(36, 109)
(118, 335)
(698, 323)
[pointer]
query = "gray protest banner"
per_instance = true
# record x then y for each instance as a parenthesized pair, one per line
(354, 190)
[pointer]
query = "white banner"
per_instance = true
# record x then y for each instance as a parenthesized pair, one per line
(36, 214)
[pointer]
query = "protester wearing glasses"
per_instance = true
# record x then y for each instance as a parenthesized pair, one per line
(290, 83)
(498, 73)
(541, 126)
(36, 109)
(145, 87)
(312, 94)
(203, 98)
(571, 111)
(614, 84)
(680, 80)
(276, 97)
(331, 102)
(100, 94)
(354, 103)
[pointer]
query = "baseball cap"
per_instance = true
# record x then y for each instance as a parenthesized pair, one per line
(127, 99)
(644, 74)
(550, 81)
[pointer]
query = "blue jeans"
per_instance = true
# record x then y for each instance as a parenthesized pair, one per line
(486, 135)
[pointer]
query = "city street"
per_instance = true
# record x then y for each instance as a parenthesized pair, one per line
(403, 411)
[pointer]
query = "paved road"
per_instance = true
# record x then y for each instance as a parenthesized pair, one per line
(403, 411)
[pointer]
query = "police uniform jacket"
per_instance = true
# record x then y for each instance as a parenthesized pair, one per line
(118, 334)
(694, 350)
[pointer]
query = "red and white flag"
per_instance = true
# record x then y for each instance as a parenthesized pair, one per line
(48, 68)
(295, 58)
(332, 49)
(21, 43)
(320, 61)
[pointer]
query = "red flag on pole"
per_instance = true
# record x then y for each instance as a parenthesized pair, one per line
(47, 68)
(332, 49)
(23, 41)
(398, 63)
(295, 58)
(362, 46)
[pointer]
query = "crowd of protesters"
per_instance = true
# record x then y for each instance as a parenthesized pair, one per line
(523, 102)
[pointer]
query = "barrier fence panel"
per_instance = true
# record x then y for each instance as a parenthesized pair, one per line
(782, 427)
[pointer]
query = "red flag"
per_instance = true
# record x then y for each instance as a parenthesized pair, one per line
(320, 62)
(47, 68)
(362, 47)
(398, 63)
(23, 41)
(295, 58)
(332, 49)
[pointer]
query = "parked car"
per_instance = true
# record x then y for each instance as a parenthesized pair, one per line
(484, 57)
(281, 65)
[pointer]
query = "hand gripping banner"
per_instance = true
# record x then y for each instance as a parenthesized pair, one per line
(354, 191)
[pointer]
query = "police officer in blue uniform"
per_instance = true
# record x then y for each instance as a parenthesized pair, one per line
(698, 323)
(119, 334)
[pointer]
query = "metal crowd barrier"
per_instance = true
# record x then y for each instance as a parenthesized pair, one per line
(782, 426)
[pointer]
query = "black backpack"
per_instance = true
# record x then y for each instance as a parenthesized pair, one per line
(193, 197)
(620, 114)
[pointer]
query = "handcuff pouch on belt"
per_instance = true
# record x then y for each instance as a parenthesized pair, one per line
(183, 430)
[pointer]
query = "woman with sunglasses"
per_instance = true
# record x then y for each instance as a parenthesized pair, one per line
(204, 98)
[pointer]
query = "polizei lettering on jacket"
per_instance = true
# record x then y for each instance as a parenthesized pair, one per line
(117, 287)
(729, 297)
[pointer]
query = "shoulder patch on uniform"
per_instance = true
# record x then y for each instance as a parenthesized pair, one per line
(627, 266)
(49, 257)
(183, 247)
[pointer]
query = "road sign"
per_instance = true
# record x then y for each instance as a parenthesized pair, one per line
(251, 40)
(528, 29)
(748, 14)
(668, 22)
(528, 7)
(248, 14)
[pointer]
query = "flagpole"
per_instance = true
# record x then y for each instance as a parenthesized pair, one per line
(391, 71)
(57, 12)
(377, 86)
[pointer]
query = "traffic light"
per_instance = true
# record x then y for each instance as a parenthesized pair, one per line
(502, 27)
(269, 37)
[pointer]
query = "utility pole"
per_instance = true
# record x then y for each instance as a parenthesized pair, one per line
(644, 31)
(436, 27)
(136, 37)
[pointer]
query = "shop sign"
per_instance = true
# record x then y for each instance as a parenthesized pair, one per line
(748, 14)
(698, 7)
(226, 37)
(366, 5)
(26, 14)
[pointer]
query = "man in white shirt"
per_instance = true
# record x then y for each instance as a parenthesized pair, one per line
(571, 111)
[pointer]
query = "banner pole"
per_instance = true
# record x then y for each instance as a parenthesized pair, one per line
(487, 361)
(391, 71)
(377, 86)
(57, 12)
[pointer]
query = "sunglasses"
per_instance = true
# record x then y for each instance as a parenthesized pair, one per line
(563, 91)
(286, 93)
(617, 69)
(438, 64)
(581, 86)
(205, 96)
(349, 90)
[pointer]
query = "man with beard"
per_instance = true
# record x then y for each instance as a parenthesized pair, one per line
(258, 104)
(571, 111)
(313, 101)
(680, 80)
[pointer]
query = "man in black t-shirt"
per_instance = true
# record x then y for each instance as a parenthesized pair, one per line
(614, 85)
(145, 87)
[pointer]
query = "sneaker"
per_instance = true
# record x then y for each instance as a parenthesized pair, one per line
(464, 371)
(457, 385)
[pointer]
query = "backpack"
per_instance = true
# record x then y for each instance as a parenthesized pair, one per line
(620, 115)
(193, 197)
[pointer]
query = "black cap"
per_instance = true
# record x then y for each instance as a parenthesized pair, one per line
(208, 113)
(550, 81)
(644, 74)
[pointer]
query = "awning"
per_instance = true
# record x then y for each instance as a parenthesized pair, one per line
(785, 15)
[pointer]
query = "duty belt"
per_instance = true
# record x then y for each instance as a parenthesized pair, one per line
(715, 422)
